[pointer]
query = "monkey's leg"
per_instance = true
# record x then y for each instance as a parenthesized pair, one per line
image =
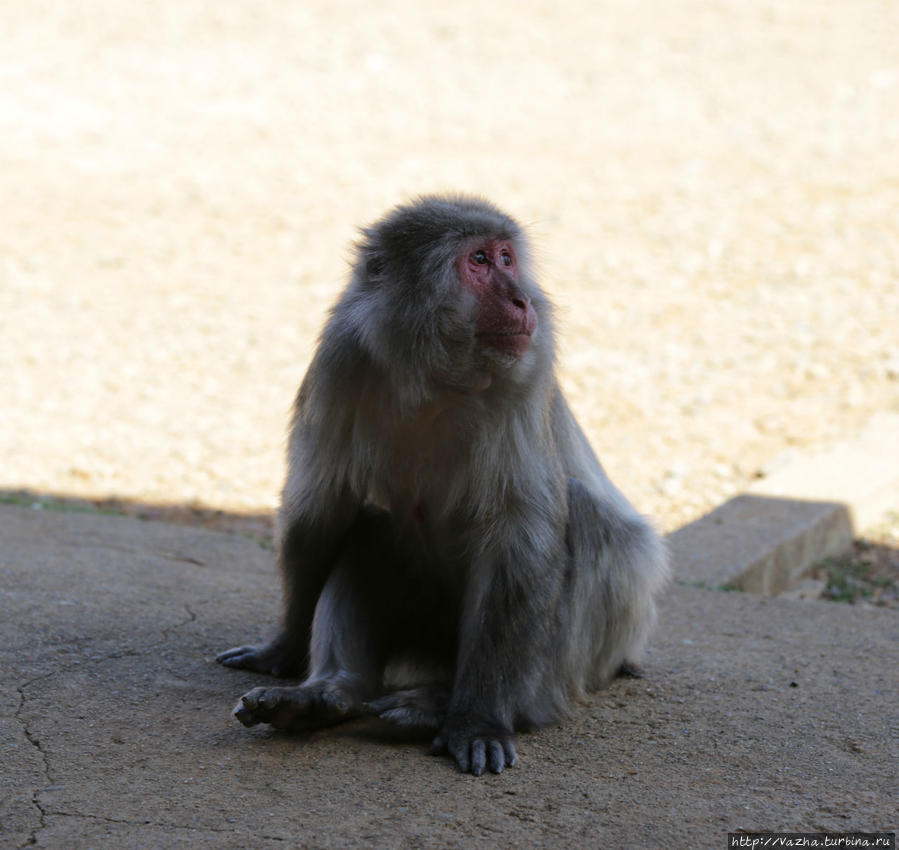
(617, 567)
(309, 548)
(547, 619)
(348, 642)
(345, 666)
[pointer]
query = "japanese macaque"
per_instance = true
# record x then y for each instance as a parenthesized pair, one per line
(444, 515)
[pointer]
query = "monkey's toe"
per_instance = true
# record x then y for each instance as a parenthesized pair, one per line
(276, 658)
(245, 715)
(630, 670)
(423, 707)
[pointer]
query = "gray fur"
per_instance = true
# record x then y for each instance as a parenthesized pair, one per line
(443, 508)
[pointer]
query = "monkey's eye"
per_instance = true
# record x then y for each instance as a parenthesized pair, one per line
(480, 257)
(506, 258)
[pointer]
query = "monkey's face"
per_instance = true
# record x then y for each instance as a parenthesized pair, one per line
(443, 296)
(505, 319)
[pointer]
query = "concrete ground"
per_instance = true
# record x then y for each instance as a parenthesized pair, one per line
(757, 713)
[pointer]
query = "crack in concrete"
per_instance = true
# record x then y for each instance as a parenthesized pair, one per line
(167, 630)
(35, 742)
(172, 557)
(48, 781)
(132, 651)
(181, 559)
(147, 822)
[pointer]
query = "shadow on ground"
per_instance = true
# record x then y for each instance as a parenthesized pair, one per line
(258, 525)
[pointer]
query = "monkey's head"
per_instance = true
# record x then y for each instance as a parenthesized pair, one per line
(443, 293)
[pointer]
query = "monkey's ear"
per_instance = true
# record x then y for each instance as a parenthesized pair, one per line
(371, 255)
(374, 265)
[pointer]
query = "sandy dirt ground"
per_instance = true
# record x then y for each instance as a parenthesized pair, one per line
(713, 189)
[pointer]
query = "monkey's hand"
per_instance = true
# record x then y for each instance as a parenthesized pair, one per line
(278, 658)
(476, 744)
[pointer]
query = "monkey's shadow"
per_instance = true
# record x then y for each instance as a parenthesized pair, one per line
(380, 731)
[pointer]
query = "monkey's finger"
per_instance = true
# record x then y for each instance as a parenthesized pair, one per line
(438, 746)
(379, 705)
(268, 700)
(478, 757)
(410, 718)
(233, 657)
(511, 756)
(247, 658)
(244, 715)
(252, 699)
(224, 656)
(336, 702)
(496, 757)
(416, 707)
(459, 750)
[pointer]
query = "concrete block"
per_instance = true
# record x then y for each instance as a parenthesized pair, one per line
(759, 544)
(763, 540)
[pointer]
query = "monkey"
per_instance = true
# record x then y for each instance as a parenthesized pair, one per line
(443, 512)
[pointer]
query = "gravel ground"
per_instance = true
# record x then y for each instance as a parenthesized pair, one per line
(713, 188)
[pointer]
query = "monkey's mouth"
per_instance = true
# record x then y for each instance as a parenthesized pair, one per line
(512, 342)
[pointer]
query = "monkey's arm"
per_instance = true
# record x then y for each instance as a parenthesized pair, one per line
(506, 620)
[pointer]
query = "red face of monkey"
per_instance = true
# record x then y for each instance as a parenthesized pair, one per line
(506, 319)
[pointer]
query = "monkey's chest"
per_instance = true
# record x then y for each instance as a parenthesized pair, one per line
(413, 484)
(417, 475)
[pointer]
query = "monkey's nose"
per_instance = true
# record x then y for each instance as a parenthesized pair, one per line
(521, 301)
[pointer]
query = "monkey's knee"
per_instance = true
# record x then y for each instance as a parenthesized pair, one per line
(619, 567)
(622, 545)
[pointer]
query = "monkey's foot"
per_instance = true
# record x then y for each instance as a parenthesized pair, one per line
(422, 707)
(298, 708)
(476, 746)
(630, 670)
(278, 658)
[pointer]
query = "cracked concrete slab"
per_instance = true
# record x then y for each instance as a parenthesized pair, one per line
(116, 729)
